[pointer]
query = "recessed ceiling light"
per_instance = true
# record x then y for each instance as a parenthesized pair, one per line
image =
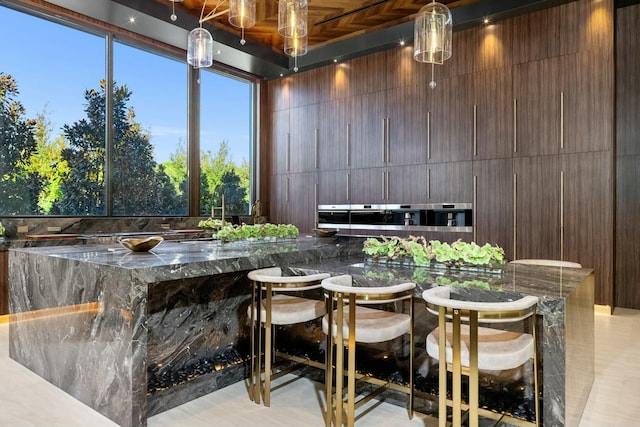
(486, 21)
(335, 60)
(132, 20)
(401, 42)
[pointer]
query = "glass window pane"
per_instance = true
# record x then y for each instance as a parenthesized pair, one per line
(150, 120)
(51, 118)
(226, 137)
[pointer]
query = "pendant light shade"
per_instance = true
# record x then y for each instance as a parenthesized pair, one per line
(200, 48)
(432, 35)
(296, 46)
(292, 18)
(242, 13)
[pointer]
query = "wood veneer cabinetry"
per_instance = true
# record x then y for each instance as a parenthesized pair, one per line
(4, 282)
(493, 203)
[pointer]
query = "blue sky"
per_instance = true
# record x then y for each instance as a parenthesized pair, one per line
(54, 65)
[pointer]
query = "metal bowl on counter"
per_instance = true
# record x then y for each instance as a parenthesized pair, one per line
(141, 244)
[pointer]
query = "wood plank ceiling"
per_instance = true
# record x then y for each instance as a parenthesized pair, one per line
(329, 21)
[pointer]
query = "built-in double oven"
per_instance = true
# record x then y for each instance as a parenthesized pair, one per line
(439, 217)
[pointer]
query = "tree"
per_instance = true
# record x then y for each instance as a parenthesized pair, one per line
(47, 164)
(138, 186)
(18, 189)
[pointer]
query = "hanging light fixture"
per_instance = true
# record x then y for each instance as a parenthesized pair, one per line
(432, 36)
(173, 9)
(200, 48)
(242, 14)
(200, 40)
(296, 46)
(292, 18)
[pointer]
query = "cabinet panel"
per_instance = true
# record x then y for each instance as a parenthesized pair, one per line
(627, 235)
(334, 187)
(368, 146)
(493, 204)
(369, 185)
(587, 102)
(279, 199)
(536, 87)
(407, 184)
(4, 282)
(280, 141)
(301, 205)
(335, 134)
(493, 100)
(537, 195)
(304, 132)
(407, 127)
(588, 217)
(450, 182)
(451, 120)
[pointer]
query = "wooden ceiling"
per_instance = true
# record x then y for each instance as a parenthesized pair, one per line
(329, 21)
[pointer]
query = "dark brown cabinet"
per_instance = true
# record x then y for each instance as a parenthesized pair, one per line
(334, 187)
(537, 93)
(493, 107)
(280, 141)
(493, 203)
(449, 182)
(537, 207)
(304, 138)
(4, 282)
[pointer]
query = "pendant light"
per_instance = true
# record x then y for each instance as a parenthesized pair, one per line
(242, 14)
(295, 46)
(292, 18)
(432, 36)
(200, 48)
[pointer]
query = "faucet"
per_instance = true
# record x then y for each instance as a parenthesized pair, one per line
(213, 208)
(256, 211)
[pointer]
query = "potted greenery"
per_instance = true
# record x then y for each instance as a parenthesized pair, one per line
(420, 252)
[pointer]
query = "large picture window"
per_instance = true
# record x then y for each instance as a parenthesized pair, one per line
(55, 159)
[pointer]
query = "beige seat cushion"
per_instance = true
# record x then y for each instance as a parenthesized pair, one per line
(287, 310)
(497, 349)
(372, 325)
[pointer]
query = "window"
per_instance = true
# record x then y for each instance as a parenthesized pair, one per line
(53, 154)
(50, 76)
(150, 121)
(225, 144)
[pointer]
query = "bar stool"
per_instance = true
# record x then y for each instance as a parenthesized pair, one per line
(466, 348)
(547, 262)
(277, 308)
(361, 325)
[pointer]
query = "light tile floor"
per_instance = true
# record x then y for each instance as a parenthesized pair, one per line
(26, 400)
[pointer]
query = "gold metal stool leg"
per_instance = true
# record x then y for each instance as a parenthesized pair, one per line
(267, 348)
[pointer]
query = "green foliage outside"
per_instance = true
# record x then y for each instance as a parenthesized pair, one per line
(46, 174)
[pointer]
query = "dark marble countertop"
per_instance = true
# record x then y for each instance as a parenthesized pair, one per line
(174, 259)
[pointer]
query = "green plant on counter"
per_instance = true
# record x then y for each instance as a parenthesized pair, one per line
(215, 224)
(423, 253)
(2, 230)
(257, 232)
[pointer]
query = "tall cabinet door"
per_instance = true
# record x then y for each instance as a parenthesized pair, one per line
(301, 204)
(493, 203)
(406, 126)
(587, 215)
(369, 144)
(303, 144)
(335, 124)
(493, 109)
(537, 217)
(537, 93)
(280, 139)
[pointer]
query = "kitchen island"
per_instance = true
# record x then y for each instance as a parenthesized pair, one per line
(134, 334)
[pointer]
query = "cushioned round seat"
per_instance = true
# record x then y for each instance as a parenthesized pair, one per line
(372, 325)
(287, 309)
(497, 349)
